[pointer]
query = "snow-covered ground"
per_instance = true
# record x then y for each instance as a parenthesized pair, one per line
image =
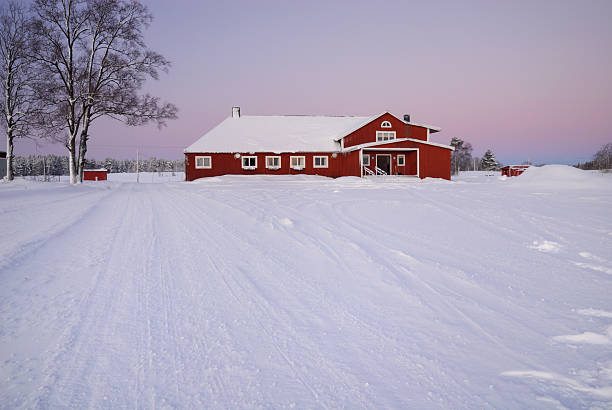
(287, 291)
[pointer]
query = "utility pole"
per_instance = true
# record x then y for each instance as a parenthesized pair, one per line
(137, 174)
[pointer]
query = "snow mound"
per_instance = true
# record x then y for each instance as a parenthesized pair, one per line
(560, 177)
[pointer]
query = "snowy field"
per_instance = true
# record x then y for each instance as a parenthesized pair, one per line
(245, 292)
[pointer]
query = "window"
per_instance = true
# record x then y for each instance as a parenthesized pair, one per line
(273, 162)
(249, 162)
(319, 162)
(298, 162)
(385, 124)
(365, 159)
(385, 135)
(203, 162)
(401, 160)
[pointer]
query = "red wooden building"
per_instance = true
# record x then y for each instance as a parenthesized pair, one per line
(331, 146)
(95, 174)
(513, 170)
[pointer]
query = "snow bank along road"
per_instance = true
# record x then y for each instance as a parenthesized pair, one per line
(273, 292)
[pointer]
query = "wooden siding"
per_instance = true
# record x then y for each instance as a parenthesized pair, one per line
(434, 161)
(345, 164)
(410, 163)
(367, 133)
(94, 175)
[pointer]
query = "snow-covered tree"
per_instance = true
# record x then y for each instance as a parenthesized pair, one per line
(461, 157)
(488, 161)
(94, 62)
(17, 106)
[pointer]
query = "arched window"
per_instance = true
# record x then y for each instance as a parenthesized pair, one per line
(385, 124)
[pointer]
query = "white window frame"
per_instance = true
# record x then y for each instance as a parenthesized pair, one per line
(403, 158)
(303, 161)
(268, 157)
(385, 136)
(203, 158)
(385, 124)
(314, 161)
(249, 167)
(365, 156)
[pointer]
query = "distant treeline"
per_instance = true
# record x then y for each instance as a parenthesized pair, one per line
(58, 165)
(601, 160)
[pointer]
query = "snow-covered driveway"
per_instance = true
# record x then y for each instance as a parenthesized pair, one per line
(273, 292)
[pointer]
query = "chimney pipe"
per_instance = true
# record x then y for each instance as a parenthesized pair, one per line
(407, 117)
(235, 112)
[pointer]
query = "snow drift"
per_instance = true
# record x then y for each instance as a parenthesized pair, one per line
(561, 177)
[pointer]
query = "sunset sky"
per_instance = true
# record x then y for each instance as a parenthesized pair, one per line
(528, 79)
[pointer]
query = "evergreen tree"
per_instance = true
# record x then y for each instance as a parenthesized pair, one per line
(488, 161)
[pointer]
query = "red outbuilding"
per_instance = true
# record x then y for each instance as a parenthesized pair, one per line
(331, 146)
(95, 174)
(513, 170)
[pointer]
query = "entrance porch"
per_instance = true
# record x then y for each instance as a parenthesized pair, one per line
(390, 161)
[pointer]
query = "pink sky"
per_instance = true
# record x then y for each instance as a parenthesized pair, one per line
(528, 79)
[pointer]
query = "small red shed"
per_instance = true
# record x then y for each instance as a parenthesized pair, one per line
(513, 170)
(95, 174)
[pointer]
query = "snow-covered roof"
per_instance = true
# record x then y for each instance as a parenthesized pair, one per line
(278, 133)
(97, 169)
(285, 133)
(431, 127)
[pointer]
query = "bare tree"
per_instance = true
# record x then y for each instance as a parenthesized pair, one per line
(603, 158)
(461, 157)
(18, 106)
(97, 62)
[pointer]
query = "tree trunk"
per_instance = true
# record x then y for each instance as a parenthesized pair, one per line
(83, 144)
(9, 156)
(72, 163)
(82, 153)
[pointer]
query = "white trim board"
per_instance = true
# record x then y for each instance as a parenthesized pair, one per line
(418, 164)
(314, 159)
(374, 144)
(390, 149)
(203, 157)
(249, 167)
(280, 161)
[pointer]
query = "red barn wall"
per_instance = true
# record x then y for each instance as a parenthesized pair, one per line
(227, 163)
(513, 171)
(410, 167)
(92, 175)
(434, 161)
(367, 133)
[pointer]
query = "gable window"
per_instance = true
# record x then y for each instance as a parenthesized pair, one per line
(319, 162)
(298, 162)
(203, 162)
(401, 160)
(249, 162)
(273, 162)
(365, 158)
(385, 124)
(385, 135)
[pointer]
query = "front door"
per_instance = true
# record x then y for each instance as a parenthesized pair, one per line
(383, 162)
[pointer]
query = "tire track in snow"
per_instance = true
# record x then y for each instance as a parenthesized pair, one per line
(42, 202)
(380, 255)
(253, 209)
(19, 250)
(225, 271)
(54, 367)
